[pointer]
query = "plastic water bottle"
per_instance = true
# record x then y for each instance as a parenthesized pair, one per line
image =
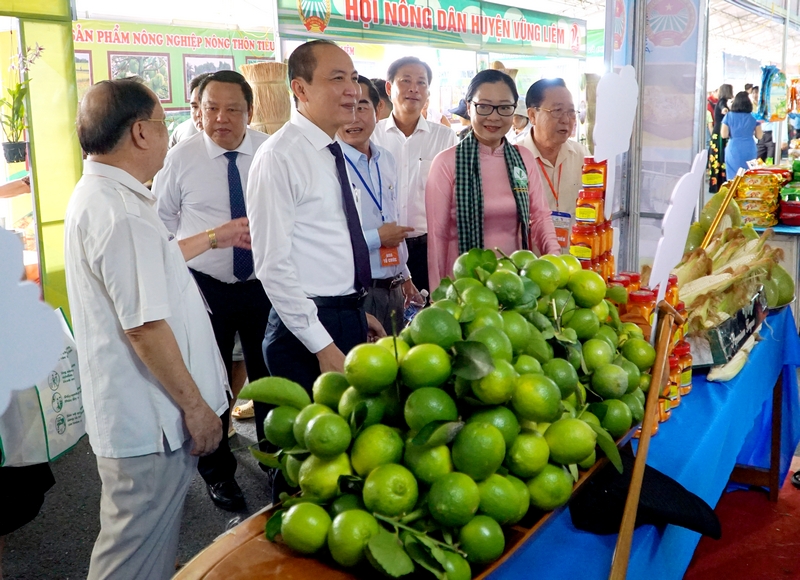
(416, 304)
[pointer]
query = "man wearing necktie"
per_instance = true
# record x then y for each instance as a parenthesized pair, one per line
(201, 186)
(308, 246)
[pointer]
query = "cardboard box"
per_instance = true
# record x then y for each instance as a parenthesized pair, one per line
(718, 345)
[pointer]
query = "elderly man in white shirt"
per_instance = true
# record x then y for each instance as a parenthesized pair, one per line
(413, 142)
(200, 187)
(153, 381)
(560, 159)
(309, 250)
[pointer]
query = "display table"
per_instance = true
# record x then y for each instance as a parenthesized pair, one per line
(717, 426)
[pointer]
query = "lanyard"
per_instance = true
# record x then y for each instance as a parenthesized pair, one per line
(550, 183)
(378, 200)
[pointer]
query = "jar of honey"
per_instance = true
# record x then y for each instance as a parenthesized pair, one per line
(635, 278)
(672, 291)
(621, 279)
(609, 234)
(611, 266)
(639, 310)
(674, 381)
(601, 234)
(653, 430)
(589, 206)
(684, 353)
(594, 173)
(583, 243)
(664, 409)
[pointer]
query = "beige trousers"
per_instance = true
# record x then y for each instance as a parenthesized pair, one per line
(141, 504)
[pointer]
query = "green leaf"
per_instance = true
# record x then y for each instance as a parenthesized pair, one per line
(357, 418)
(273, 527)
(421, 554)
(548, 333)
(482, 275)
(616, 323)
(462, 387)
(468, 314)
(437, 433)
(448, 536)
(276, 391)
(386, 554)
(566, 337)
(268, 459)
(441, 292)
(351, 484)
(608, 446)
(472, 361)
(573, 469)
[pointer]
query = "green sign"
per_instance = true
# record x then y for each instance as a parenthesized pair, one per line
(166, 57)
(464, 24)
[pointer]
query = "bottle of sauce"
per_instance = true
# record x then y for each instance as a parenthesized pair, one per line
(684, 353)
(674, 380)
(639, 310)
(583, 243)
(635, 278)
(672, 291)
(594, 174)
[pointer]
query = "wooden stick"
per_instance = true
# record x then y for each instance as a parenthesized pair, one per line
(721, 212)
(622, 552)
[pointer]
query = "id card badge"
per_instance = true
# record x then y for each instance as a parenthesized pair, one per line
(389, 257)
(561, 223)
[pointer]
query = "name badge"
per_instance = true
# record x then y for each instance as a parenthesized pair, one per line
(389, 257)
(561, 223)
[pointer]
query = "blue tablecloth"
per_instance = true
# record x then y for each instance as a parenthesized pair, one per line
(716, 426)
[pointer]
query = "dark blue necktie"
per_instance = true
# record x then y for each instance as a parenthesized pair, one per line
(242, 259)
(363, 277)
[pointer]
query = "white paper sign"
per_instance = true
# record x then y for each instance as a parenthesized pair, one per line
(617, 99)
(675, 226)
(30, 334)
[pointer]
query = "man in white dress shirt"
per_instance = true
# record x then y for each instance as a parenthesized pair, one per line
(413, 142)
(152, 378)
(194, 124)
(373, 174)
(309, 250)
(200, 187)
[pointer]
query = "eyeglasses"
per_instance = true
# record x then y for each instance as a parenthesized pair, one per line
(485, 110)
(559, 113)
(164, 121)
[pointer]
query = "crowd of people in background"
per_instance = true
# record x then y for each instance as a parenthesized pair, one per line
(291, 248)
(736, 134)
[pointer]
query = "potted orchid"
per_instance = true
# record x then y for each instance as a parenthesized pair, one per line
(12, 109)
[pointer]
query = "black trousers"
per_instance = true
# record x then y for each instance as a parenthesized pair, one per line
(765, 146)
(287, 357)
(418, 261)
(242, 307)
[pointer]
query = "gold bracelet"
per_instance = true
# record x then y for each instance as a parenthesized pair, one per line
(212, 239)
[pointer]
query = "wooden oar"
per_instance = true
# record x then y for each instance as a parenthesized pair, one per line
(721, 212)
(622, 552)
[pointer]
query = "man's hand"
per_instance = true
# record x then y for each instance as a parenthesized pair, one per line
(391, 234)
(235, 233)
(205, 428)
(409, 291)
(331, 359)
(375, 329)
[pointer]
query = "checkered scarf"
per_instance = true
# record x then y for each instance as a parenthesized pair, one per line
(469, 192)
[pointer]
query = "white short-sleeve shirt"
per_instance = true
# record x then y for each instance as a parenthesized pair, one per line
(124, 269)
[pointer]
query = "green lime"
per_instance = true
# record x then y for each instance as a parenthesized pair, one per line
(319, 478)
(495, 340)
(497, 387)
(639, 352)
(545, 274)
(540, 350)
(428, 463)
(459, 285)
(304, 527)
(349, 534)
(523, 498)
(502, 418)
(395, 345)
(528, 454)
(484, 317)
(425, 365)
(376, 406)
(303, 418)
(390, 490)
(565, 305)
(636, 407)
(376, 445)
(327, 435)
(609, 334)
(563, 374)
(563, 270)
(610, 381)
(585, 323)
(482, 539)
(450, 306)
(596, 353)
(550, 488)
(526, 364)
(507, 286)
(480, 297)
(370, 368)
(498, 499)
(328, 389)
(517, 329)
(278, 426)
(587, 287)
(428, 404)
(454, 499)
(634, 374)
(435, 326)
(521, 258)
(346, 502)
(570, 440)
(478, 450)
(536, 398)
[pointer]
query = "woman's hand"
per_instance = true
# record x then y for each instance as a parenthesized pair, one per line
(234, 234)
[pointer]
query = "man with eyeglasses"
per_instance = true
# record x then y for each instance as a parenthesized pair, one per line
(560, 159)
(202, 186)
